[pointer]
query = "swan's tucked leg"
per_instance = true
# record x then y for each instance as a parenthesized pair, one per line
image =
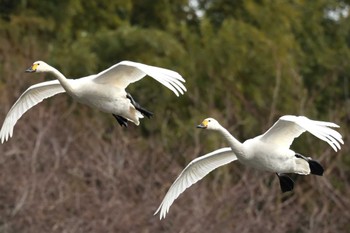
(315, 167)
(121, 120)
(142, 110)
(286, 183)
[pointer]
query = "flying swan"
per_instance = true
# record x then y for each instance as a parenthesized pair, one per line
(268, 152)
(104, 91)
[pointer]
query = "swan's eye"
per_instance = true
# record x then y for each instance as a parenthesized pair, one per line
(209, 120)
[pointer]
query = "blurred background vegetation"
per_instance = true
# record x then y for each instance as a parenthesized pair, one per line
(70, 168)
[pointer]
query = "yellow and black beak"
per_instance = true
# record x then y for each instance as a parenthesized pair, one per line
(32, 68)
(203, 125)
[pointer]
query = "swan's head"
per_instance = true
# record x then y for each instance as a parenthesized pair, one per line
(39, 66)
(209, 123)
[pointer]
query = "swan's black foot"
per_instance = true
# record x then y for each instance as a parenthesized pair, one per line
(142, 110)
(286, 183)
(121, 120)
(315, 167)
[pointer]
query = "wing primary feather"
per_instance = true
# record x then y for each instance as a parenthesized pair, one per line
(166, 82)
(176, 79)
(156, 69)
(321, 137)
(32, 96)
(320, 130)
(161, 74)
(168, 86)
(177, 84)
(194, 171)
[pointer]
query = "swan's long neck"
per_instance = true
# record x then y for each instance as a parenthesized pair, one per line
(236, 145)
(66, 84)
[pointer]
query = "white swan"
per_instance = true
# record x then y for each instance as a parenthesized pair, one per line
(104, 91)
(267, 152)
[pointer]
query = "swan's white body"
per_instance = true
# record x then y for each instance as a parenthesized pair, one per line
(104, 91)
(267, 152)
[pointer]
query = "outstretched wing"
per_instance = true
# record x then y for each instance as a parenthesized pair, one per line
(126, 72)
(288, 127)
(32, 96)
(194, 172)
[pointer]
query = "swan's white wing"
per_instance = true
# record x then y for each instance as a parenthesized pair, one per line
(32, 96)
(126, 72)
(288, 127)
(194, 172)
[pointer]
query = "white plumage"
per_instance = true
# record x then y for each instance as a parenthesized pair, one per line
(195, 171)
(267, 152)
(104, 91)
